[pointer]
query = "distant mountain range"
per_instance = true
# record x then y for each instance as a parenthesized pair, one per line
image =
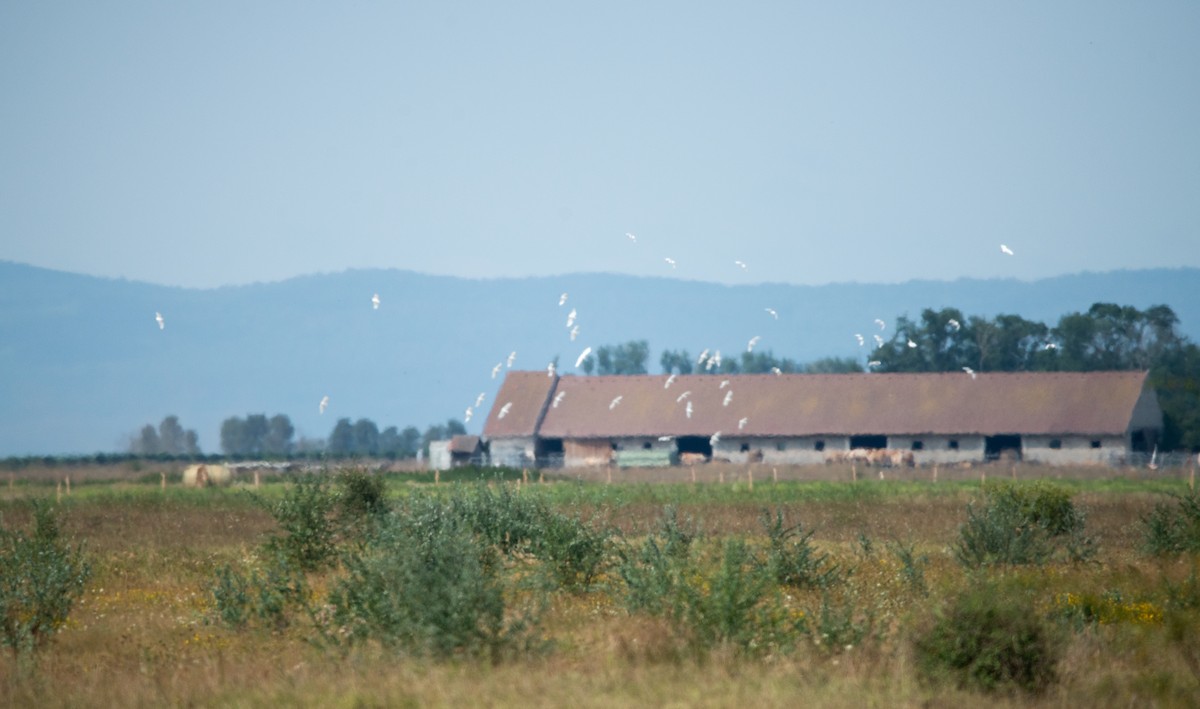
(84, 365)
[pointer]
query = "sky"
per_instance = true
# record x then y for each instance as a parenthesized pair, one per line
(221, 142)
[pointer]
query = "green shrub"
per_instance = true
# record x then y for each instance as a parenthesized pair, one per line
(503, 517)
(837, 627)
(268, 597)
(426, 584)
(1173, 528)
(791, 558)
(361, 495)
(41, 577)
(575, 551)
(1025, 523)
(728, 605)
(304, 515)
(912, 566)
(990, 639)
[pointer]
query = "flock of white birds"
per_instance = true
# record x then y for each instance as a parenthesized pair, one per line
(709, 362)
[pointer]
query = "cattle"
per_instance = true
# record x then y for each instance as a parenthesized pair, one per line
(877, 457)
(204, 475)
(692, 458)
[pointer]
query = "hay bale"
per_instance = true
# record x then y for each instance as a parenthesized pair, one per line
(204, 475)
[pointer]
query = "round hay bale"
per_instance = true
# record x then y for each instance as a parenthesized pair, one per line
(204, 475)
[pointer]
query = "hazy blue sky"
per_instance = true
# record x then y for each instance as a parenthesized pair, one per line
(206, 143)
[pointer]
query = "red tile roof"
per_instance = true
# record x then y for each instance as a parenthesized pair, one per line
(819, 404)
(527, 395)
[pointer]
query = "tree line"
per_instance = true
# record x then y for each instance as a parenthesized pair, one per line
(1105, 337)
(257, 436)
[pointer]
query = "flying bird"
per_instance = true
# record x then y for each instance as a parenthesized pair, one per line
(582, 356)
(715, 360)
(911, 343)
(776, 371)
(511, 356)
(467, 415)
(562, 299)
(375, 302)
(323, 405)
(504, 410)
(772, 313)
(1005, 250)
(742, 422)
(703, 356)
(613, 404)
(159, 319)
(716, 437)
(571, 317)
(631, 237)
(970, 371)
(874, 363)
(688, 410)
(954, 324)
(728, 398)
(724, 383)
(670, 381)
(666, 438)
(496, 369)
(550, 369)
(859, 337)
(574, 333)
(878, 340)
(558, 399)
(1051, 346)
(741, 264)
(479, 400)
(882, 325)
(753, 341)
(670, 261)
(683, 396)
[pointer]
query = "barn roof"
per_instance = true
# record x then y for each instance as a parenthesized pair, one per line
(826, 404)
(464, 443)
(526, 394)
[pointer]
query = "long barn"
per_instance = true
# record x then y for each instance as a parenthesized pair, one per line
(1045, 417)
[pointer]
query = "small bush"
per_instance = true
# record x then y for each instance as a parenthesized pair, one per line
(791, 558)
(304, 514)
(1173, 528)
(426, 585)
(990, 639)
(727, 606)
(1023, 524)
(575, 551)
(41, 577)
(912, 566)
(361, 495)
(268, 597)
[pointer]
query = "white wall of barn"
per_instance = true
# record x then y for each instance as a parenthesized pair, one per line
(1074, 449)
(513, 452)
(941, 449)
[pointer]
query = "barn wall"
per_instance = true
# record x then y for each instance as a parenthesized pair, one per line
(586, 452)
(439, 455)
(801, 450)
(512, 452)
(935, 449)
(1075, 449)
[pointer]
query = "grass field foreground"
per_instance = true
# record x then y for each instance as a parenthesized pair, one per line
(1123, 624)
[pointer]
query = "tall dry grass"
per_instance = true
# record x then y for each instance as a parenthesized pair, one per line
(144, 634)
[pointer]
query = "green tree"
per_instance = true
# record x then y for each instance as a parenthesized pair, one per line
(278, 438)
(147, 442)
(365, 437)
(628, 358)
(676, 362)
(341, 438)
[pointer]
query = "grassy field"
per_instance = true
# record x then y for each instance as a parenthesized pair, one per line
(147, 630)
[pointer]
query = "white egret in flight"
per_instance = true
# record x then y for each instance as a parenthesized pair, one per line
(159, 319)
(375, 302)
(323, 405)
(504, 410)
(613, 404)
(1005, 250)
(582, 356)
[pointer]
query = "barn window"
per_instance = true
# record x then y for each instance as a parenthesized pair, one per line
(952, 444)
(1095, 444)
(616, 446)
(819, 446)
(1055, 443)
(780, 446)
(646, 446)
(918, 445)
